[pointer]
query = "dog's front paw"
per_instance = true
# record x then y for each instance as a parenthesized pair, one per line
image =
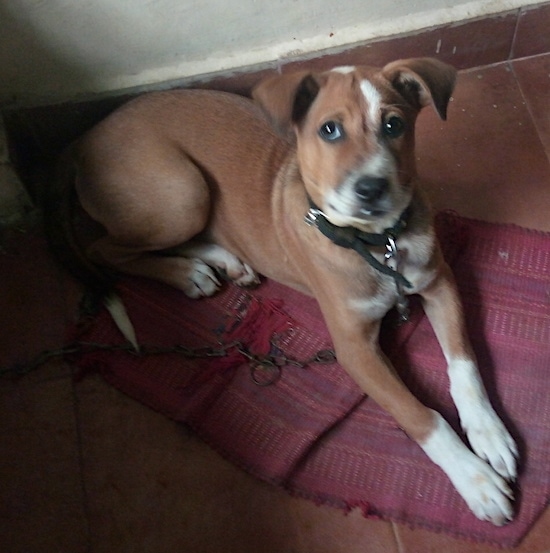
(485, 431)
(491, 441)
(487, 494)
(201, 280)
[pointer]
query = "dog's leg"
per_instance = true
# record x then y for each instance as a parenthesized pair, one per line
(486, 432)
(188, 268)
(487, 494)
(190, 275)
(147, 209)
(216, 256)
(356, 343)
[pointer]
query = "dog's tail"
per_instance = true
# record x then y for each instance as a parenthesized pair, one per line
(59, 207)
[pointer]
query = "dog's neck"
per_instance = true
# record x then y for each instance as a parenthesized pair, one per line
(315, 216)
(361, 242)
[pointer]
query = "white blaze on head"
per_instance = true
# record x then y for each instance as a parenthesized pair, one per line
(374, 101)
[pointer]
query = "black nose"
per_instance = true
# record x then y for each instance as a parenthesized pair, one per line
(370, 189)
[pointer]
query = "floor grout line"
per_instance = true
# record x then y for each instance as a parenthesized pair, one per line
(526, 101)
(397, 538)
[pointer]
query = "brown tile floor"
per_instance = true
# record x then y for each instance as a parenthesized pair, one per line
(85, 469)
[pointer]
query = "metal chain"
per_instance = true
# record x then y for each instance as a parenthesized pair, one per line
(264, 369)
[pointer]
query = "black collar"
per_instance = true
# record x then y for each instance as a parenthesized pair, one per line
(358, 240)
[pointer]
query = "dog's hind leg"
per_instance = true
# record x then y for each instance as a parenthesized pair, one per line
(191, 275)
(147, 211)
(191, 267)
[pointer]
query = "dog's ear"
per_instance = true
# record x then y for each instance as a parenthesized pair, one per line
(286, 98)
(423, 81)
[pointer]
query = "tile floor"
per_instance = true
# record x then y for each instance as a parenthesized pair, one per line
(85, 469)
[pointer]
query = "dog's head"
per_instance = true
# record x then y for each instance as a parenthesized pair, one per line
(354, 129)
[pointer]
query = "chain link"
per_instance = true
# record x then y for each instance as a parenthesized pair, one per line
(264, 369)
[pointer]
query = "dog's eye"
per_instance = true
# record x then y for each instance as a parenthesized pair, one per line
(331, 131)
(393, 127)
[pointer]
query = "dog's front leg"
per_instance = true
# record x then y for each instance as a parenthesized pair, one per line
(356, 343)
(486, 433)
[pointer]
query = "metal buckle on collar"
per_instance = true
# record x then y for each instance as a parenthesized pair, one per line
(312, 215)
(391, 248)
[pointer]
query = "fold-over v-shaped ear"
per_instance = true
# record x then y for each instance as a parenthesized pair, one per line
(423, 81)
(286, 98)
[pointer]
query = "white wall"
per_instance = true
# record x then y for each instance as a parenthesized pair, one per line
(52, 50)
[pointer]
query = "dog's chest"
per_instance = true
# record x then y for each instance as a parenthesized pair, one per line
(377, 302)
(409, 258)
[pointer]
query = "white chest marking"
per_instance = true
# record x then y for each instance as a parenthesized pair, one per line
(375, 307)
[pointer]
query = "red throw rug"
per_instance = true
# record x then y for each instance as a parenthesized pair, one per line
(309, 429)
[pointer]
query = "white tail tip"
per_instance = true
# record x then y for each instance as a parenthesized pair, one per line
(120, 316)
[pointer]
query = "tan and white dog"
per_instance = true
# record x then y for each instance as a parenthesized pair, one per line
(215, 176)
